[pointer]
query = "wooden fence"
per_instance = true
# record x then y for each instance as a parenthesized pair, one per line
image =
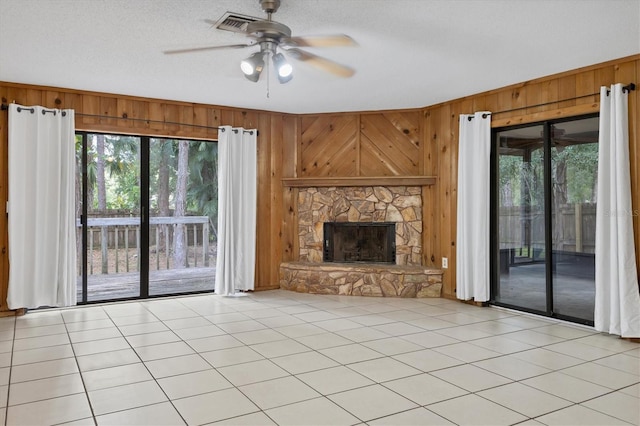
(573, 231)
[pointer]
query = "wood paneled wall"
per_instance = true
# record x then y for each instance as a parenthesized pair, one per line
(130, 115)
(441, 129)
(424, 142)
(416, 142)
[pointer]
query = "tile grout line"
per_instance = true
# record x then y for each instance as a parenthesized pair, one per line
(146, 368)
(84, 386)
(6, 409)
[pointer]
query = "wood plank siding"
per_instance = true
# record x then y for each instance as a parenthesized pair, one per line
(403, 143)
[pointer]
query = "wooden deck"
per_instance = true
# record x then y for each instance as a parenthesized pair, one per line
(127, 285)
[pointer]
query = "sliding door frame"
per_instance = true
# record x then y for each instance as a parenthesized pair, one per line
(83, 221)
(145, 218)
(548, 212)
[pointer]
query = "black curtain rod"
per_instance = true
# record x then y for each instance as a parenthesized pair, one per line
(628, 88)
(110, 117)
(485, 115)
(5, 107)
(221, 128)
(545, 103)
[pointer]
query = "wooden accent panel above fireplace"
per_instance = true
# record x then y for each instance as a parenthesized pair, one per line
(387, 143)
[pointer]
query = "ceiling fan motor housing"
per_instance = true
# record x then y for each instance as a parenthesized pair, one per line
(270, 6)
(269, 29)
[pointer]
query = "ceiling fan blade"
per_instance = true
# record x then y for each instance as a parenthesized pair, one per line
(321, 63)
(336, 40)
(200, 49)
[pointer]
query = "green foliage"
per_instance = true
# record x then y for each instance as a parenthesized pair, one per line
(163, 154)
(122, 180)
(582, 169)
(520, 182)
(517, 177)
(122, 167)
(202, 195)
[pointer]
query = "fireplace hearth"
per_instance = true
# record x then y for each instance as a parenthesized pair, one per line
(348, 242)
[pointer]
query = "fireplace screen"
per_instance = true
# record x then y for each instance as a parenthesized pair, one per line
(360, 242)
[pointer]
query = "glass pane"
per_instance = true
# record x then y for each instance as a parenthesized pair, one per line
(574, 171)
(521, 237)
(183, 192)
(113, 200)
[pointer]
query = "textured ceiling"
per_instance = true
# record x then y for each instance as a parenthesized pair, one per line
(411, 53)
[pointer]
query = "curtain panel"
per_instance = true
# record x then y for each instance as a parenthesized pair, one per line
(237, 205)
(41, 225)
(472, 241)
(617, 305)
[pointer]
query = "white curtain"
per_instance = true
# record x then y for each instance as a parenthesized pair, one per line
(617, 308)
(42, 237)
(472, 241)
(237, 205)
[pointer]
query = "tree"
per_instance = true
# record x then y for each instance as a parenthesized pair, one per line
(510, 170)
(102, 200)
(203, 180)
(559, 194)
(163, 189)
(574, 164)
(574, 177)
(164, 172)
(179, 247)
(122, 163)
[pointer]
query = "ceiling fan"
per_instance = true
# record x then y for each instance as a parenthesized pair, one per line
(274, 38)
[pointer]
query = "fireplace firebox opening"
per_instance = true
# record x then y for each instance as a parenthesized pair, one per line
(373, 242)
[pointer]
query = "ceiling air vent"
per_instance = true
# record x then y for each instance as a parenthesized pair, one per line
(235, 22)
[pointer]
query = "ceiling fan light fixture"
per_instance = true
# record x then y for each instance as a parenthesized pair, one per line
(283, 68)
(273, 37)
(252, 66)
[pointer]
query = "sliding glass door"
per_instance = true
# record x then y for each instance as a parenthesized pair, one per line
(544, 194)
(146, 209)
(574, 165)
(111, 220)
(183, 201)
(521, 219)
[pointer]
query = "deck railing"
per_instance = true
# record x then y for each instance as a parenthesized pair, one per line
(114, 243)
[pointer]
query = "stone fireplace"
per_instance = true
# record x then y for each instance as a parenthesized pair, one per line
(400, 205)
(362, 213)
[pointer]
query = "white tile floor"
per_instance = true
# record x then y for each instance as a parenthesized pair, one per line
(295, 359)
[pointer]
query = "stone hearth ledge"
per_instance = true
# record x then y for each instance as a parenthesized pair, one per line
(361, 279)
